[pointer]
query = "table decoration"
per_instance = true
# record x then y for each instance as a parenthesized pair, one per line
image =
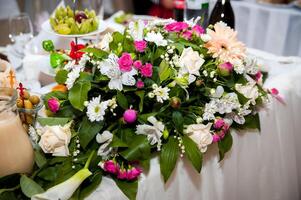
(166, 88)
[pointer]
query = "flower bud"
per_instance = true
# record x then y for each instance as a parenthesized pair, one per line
(53, 105)
(225, 69)
(175, 102)
(130, 116)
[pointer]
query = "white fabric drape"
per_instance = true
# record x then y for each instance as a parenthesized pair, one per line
(260, 166)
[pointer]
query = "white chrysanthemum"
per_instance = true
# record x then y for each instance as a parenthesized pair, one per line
(153, 132)
(251, 66)
(160, 93)
(84, 59)
(69, 65)
(104, 139)
(110, 68)
(96, 109)
(73, 75)
(157, 38)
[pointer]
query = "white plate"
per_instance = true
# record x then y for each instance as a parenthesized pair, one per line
(101, 28)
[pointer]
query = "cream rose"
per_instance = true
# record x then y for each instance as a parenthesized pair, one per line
(55, 140)
(191, 62)
(201, 135)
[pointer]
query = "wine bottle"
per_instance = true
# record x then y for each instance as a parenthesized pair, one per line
(179, 10)
(223, 11)
(197, 8)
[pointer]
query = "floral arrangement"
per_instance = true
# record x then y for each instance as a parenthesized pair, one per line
(166, 88)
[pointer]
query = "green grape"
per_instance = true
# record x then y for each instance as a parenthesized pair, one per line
(69, 21)
(74, 28)
(52, 22)
(69, 12)
(91, 14)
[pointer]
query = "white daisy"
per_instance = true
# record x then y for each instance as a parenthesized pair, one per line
(160, 93)
(96, 109)
(157, 38)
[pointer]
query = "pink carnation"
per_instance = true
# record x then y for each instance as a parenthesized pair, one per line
(53, 105)
(147, 70)
(187, 35)
(140, 45)
(216, 138)
(122, 174)
(111, 167)
(198, 29)
(133, 173)
(219, 123)
(176, 26)
(140, 84)
(137, 64)
(125, 62)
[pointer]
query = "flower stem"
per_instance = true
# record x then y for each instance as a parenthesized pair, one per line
(89, 159)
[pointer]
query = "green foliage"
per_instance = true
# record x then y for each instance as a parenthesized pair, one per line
(122, 100)
(56, 60)
(40, 159)
(79, 94)
(97, 53)
(61, 76)
(164, 71)
(129, 188)
(178, 120)
(90, 185)
(139, 149)
(29, 187)
(225, 145)
(52, 121)
(140, 94)
(193, 153)
(168, 157)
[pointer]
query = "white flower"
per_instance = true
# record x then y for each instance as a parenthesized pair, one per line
(251, 66)
(228, 103)
(218, 92)
(84, 59)
(64, 190)
(200, 134)
(104, 139)
(160, 93)
(157, 38)
(96, 109)
(153, 132)
(136, 29)
(205, 37)
(210, 109)
(55, 140)
(73, 75)
(160, 22)
(69, 65)
(238, 66)
(250, 91)
(191, 63)
(110, 68)
(105, 42)
(193, 21)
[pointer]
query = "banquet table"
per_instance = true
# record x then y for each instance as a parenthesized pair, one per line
(263, 165)
(272, 28)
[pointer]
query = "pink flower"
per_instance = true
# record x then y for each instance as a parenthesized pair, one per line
(274, 91)
(198, 30)
(219, 123)
(111, 167)
(133, 173)
(130, 116)
(140, 84)
(137, 64)
(225, 68)
(147, 70)
(125, 62)
(176, 26)
(258, 76)
(53, 105)
(140, 45)
(187, 35)
(122, 174)
(216, 138)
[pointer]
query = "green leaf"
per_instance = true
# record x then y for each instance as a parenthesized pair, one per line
(122, 100)
(49, 174)
(52, 121)
(116, 142)
(96, 52)
(164, 71)
(29, 187)
(225, 145)
(140, 94)
(193, 153)
(88, 131)
(39, 158)
(79, 94)
(93, 183)
(138, 149)
(178, 120)
(168, 157)
(143, 118)
(61, 76)
(128, 188)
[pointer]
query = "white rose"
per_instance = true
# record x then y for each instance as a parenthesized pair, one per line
(55, 140)
(191, 62)
(201, 135)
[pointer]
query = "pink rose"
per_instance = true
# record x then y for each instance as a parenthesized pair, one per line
(187, 35)
(225, 68)
(140, 45)
(130, 116)
(147, 70)
(111, 167)
(133, 173)
(125, 62)
(137, 64)
(140, 84)
(122, 174)
(216, 138)
(176, 26)
(53, 105)
(219, 123)
(198, 30)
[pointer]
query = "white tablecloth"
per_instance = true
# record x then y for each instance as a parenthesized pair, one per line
(260, 166)
(276, 29)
